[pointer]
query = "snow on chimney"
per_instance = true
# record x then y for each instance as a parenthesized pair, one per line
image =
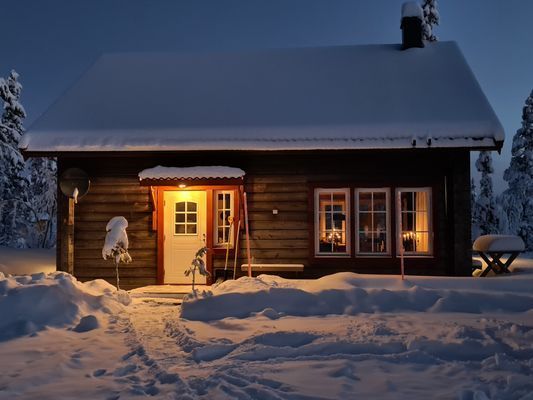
(412, 17)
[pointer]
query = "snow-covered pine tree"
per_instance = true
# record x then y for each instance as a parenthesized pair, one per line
(12, 181)
(431, 19)
(474, 220)
(42, 189)
(517, 200)
(486, 214)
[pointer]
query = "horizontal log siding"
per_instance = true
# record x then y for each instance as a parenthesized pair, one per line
(110, 195)
(282, 181)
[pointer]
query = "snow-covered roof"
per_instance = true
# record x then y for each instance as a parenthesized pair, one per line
(339, 97)
(176, 173)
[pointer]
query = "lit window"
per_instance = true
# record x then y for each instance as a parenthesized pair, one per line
(186, 218)
(223, 212)
(373, 228)
(332, 221)
(414, 221)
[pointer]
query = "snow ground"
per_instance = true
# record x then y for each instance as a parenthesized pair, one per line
(146, 349)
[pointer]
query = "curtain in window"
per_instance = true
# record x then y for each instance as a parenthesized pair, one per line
(421, 222)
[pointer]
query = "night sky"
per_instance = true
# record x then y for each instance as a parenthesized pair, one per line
(51, 43)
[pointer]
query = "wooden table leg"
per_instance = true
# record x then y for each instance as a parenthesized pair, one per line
(489, 264)
(505, 266)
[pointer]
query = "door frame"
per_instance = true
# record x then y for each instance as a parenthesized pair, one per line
(160, 216)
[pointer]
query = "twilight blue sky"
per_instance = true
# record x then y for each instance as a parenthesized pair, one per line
(51, 43)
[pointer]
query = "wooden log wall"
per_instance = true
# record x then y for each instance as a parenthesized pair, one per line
(282, 181)
(111, 196)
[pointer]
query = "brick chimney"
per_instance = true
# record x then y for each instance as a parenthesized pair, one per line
(412, 17)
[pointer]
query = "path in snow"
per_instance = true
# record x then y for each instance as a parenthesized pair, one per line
(403, 355)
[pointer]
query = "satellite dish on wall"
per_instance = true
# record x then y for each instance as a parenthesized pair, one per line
(74, 183)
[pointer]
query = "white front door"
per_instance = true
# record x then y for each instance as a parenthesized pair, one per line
(185, 232)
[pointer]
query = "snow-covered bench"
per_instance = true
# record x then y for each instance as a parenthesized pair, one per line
(491, 248)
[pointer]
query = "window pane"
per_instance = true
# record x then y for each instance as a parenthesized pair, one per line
(227, 199)
(409, 241)
(191, 229)
(365, 221)
(324, 201)
(180, 206)
(421, 201)
(422, 242)
(226, 219)
(220, 201)
(380, 222)
(191, 217)
(380, 201)
(339, 199)
(408, 221)
(180, 217)
(338, 221)
(380, 242)
(365, 201)
(327, 220)
(365, 242)
(180, 229)
(421, 222)
(407, 201)
(191, 206)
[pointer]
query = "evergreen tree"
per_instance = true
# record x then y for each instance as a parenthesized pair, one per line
(474, 212)
(486, 214)
(518, 198)
(42, 205)
(12, 181)
(27, 190)
(431, 19)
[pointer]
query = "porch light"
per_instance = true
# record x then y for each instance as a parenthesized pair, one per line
(182, 185)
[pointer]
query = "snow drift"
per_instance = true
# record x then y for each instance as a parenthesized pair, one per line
(349, 293)
(31, 303)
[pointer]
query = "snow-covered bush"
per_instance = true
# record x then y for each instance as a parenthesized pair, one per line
(116, 243)
(517, 200)
(197, 264)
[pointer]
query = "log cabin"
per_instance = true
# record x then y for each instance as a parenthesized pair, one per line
(346, 158)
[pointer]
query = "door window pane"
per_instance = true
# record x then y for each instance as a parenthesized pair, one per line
(332, 221)
(186, 218)
(372, 215)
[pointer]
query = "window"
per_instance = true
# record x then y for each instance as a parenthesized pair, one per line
(372, 221)
(186, 218)
(223, 212)
(414, 220)
(332, 221)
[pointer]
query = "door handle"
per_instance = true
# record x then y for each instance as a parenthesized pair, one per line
(203, 237)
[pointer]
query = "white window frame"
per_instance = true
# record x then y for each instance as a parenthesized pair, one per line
(429, 192)
(215, 215)
(385, 190)
(346, 192)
